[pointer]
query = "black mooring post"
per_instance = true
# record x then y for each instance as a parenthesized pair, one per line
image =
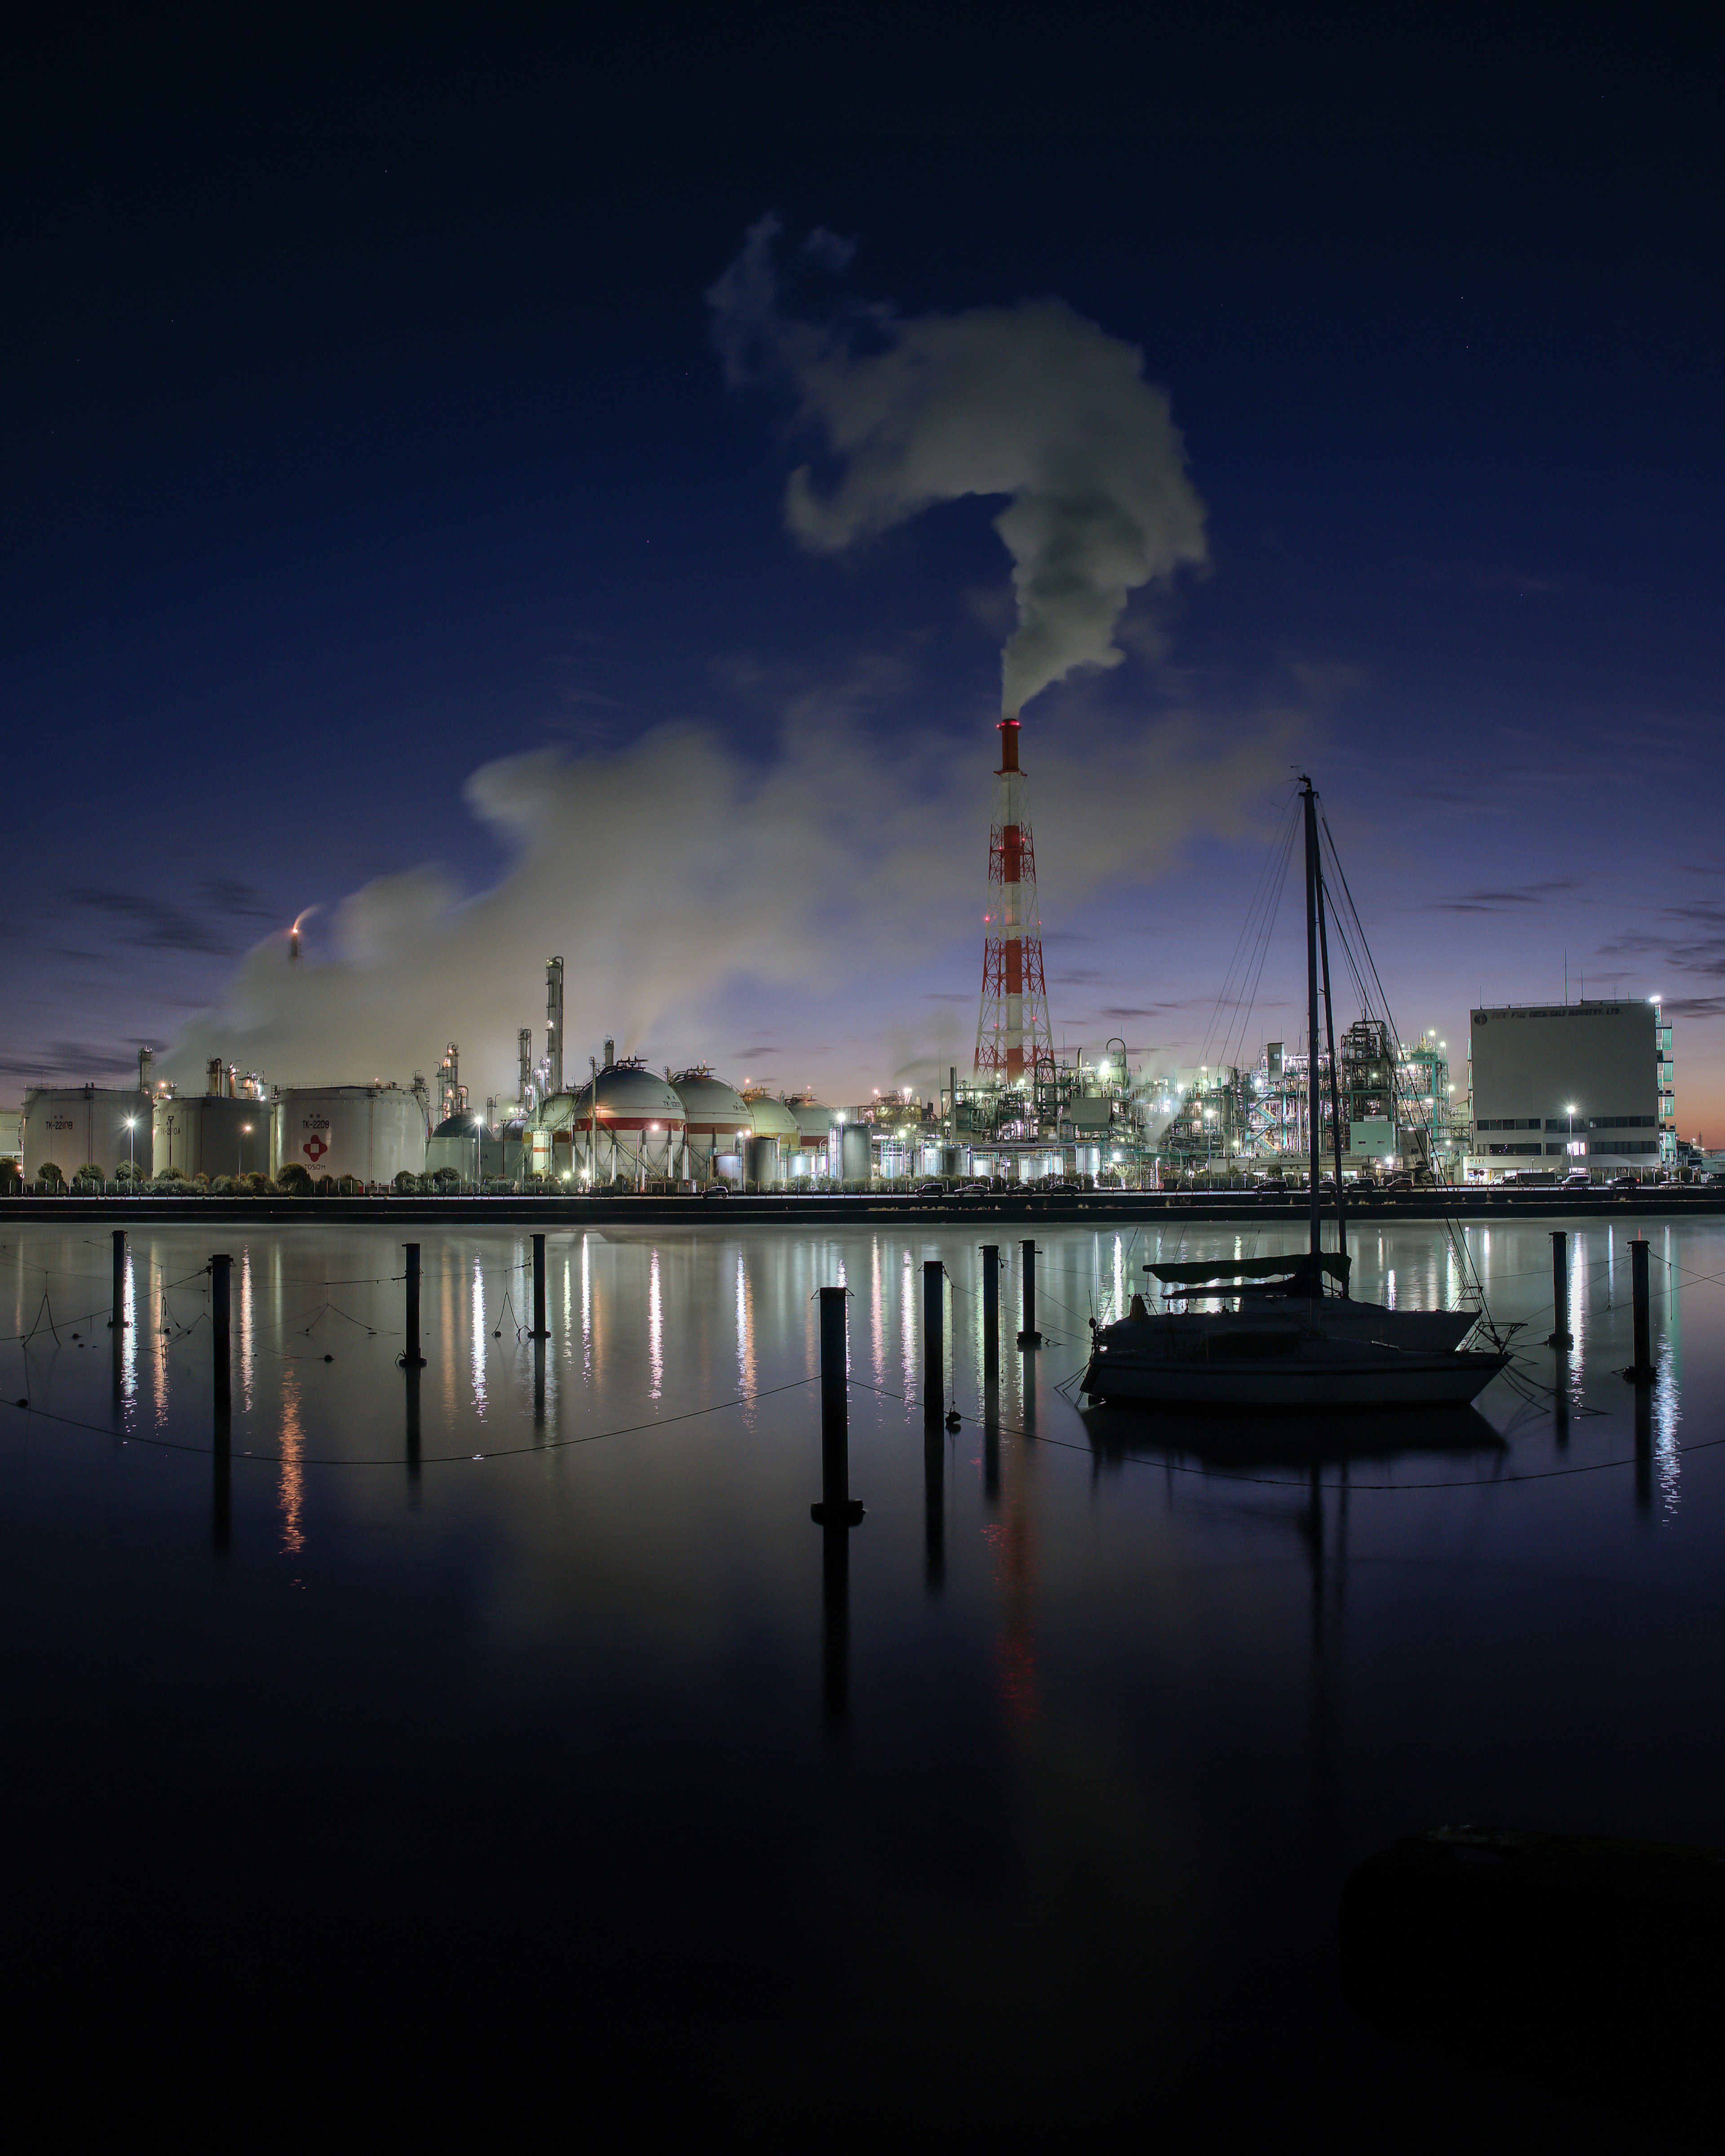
(539, 1331)
(118, 1320)
(837, 1508)
(411, 1358)
(934, 1281)
(1560, 1336)
(1641, 1371)
(221, 1269)
(1029, 1337)
(991, 1309)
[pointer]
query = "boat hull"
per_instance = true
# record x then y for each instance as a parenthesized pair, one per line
(1290, 1383)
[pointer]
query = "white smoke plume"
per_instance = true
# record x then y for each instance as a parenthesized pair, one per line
(1031, 401)
(671, 873)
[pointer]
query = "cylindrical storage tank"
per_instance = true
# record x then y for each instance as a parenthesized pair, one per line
(814, 1145)
(370, 1133)
(716, 1123)
(74, 1126)
(633, 1131)
(770, 1120)
(854, 1153)
(210, 1135)
(452, 1145)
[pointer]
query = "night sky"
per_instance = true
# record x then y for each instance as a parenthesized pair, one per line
(365, 428)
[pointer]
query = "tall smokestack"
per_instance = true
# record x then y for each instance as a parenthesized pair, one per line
(554, 1022)
(146, 1063)
(524, 1074)
(449, 1095)
(610, 1053)
(1014, 1041)
(213, 1075)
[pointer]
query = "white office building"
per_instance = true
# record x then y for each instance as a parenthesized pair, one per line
(1569, 1086)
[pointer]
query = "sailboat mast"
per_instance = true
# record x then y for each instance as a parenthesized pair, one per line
(1323, 953)
(1312, 1102)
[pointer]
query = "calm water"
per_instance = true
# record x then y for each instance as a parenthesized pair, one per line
(560, 1728)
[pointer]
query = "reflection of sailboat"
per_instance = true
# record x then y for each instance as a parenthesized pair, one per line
(1297, 1441)
(1289, 1343)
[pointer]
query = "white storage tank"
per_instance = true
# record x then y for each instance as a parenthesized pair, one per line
(815, 1124)
(632, 1130)
(717, 1125)
(210, 1134)
(774, 1137)
(371, 1132)
(71, 1126)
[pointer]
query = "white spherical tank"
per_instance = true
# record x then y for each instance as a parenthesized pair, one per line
(371, 1132)
(210, 1134)
(631, 1130)
(73, 1125)
(717, 1124)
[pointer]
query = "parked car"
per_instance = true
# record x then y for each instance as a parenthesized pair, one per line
(1625, 1182)
(716, 1190)
(1577, 1179)
(1398, 1182)
(932, 1189)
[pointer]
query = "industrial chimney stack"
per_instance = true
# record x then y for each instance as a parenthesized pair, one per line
(554, 1024)
(1014, 1041)
(524, 1075)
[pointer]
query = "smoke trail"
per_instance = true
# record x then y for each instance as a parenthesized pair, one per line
(1031, 401)
(674, 874)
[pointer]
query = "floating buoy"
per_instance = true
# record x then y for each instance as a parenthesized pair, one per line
(21, 1404)
(329, 1358)
(954, 1419)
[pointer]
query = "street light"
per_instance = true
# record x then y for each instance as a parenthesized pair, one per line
(131, 1149)
(246, 1131)
(479, 1124)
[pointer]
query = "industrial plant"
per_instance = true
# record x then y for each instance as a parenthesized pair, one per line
(1585, 1089)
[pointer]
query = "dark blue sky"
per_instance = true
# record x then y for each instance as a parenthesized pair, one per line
(362, 426)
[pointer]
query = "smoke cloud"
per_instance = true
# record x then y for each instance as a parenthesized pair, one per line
(1032, 402)
(672, 874)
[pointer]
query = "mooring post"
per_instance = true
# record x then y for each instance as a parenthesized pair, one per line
(412, 1359)
(118, 1320)
(1560, 1337)
(1029, 1337)
(221, 1286)
(221, 1268)
(1641, 1371)
(934, 1281)
(837, 1508)
(991, 1308)
(539, 1331)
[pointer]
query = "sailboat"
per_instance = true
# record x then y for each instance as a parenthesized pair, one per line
(1295, 1338)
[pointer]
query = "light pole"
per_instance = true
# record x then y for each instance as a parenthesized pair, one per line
(246, 1131)
(132, 1148)
(479, 1124)
(1569, 1143)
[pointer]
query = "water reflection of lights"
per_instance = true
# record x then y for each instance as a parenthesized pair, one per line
(586, 1309)
(655, 1327)
(246, 1317)
(129, 1347)
(876, 1322)
(476, 1336)
(745, 1329)
(292, 1494)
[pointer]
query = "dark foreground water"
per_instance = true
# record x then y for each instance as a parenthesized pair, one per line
(541, 1761)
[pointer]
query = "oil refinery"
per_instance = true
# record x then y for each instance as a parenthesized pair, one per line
(1023, 1113)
